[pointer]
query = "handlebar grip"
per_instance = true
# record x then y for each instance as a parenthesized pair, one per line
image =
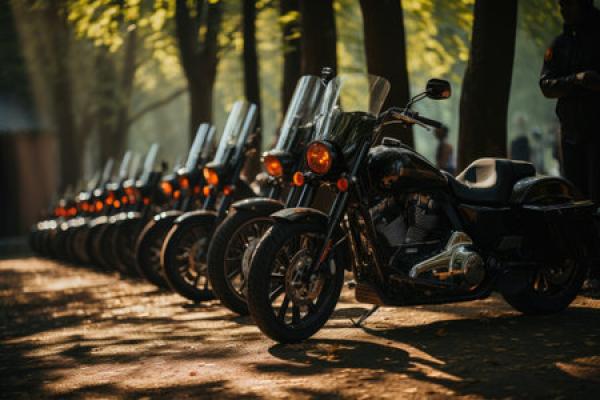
(430, 122)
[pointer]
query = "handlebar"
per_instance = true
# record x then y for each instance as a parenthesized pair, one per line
(410, 117)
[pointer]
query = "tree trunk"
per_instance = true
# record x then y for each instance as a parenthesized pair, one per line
(385, 47)
(126, 88)
(199, 55)
(486, 86)
(318, 36)
(46, 41)
(251, 80)
(291, 51)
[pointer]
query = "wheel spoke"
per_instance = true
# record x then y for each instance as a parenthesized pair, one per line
(234, 273)
(295, 315)
(283, 309)
(276, 292)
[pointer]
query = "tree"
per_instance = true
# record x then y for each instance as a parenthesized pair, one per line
(486, 86)
(251, 78)
(47, 43)
(199, 54)
(385, 47)
(289, 17)
(318, 36)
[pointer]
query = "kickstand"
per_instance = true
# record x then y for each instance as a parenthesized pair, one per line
(358, 323)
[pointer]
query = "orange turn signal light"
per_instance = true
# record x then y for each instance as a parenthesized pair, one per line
(176, 194)
(273, 166)
(342, 184)
(116, 204)
(319, 158)
(206, 191)
(109, 199)
(184, 183)
(298, 179)
(99, 205)
(211, 176)
(227, 190)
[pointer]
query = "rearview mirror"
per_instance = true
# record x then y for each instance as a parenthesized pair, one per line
(438, 89)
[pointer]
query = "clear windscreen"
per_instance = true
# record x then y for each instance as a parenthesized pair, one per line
(124, 167)
(232, 130)
(207, 148)
(350, 93)
(134, 166)
(107, 172)
(302, 110)
(199, 140)
(149, 163)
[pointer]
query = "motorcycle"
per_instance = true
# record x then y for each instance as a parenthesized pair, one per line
(410, 233)
(183, 253)
(234, 240)
(184, 189)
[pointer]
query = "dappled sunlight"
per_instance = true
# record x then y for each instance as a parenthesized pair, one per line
(110, 338)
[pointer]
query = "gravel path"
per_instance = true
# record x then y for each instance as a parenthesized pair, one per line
(70, 332)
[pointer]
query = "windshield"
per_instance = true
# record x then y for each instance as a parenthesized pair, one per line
(208, 144)
(351, 94)
(232, 130)
(301, 111)
(149, 163)
(199, 140)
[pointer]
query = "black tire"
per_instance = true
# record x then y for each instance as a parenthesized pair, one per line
(123, 246)
(106, 247)
(147, 253)
(225, 270)
(95, 246)
(78, 244)
(544, 294)
(183, 259)
(271, 265)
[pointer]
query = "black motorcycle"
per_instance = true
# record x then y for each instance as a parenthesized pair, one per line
(183, 254)
(234, 240)
(184, 188)
(410, 233)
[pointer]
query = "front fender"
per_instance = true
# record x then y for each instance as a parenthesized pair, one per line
(301, 215)
(312, 216)
(259, 204)
(196, 217)
(170, 215)
(98, 221)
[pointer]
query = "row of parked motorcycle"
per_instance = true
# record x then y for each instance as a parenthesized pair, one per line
(335, 196)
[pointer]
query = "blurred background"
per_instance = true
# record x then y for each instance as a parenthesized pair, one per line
(84, 80)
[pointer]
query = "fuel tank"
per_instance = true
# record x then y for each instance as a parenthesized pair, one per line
(396, 167)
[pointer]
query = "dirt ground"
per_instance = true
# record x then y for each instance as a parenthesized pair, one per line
(68, 332)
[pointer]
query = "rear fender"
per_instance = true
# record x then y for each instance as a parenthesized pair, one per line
(259, 204)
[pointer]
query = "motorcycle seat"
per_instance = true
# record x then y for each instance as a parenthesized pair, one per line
(489, 181)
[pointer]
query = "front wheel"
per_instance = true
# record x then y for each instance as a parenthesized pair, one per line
(287, 303)
(549, 290)
(147, 253)
(229, 255)
(183, 259)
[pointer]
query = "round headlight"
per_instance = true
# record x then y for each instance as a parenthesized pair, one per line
(167, 188)
(211, 176)
(273, 166)
(319, 158)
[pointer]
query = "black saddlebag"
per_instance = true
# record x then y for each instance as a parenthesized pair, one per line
(563, 230)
